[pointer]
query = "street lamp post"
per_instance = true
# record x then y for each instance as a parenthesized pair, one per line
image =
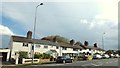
(103, 40)
(34, 32)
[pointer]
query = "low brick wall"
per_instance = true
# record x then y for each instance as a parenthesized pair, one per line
(44, 60)
(27, 61)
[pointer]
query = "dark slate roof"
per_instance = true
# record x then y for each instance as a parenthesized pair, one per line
(92, 47)
(87, 47)
(70, 46)
(38, 41)
(99, 49)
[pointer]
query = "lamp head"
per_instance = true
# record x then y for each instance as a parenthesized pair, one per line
(41, 3)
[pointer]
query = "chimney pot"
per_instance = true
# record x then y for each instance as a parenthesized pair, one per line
(95, 45)
(29, 35)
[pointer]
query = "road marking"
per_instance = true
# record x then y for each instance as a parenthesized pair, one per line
(94, 64)
(86, 65)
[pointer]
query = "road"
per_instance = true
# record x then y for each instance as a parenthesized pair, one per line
(98, 62)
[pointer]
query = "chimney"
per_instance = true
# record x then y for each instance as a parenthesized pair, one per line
(29, 35)
(72, 42)
(95, 45)
(86, 43)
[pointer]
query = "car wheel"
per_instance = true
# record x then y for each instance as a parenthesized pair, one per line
(63, 61)
(71, 61)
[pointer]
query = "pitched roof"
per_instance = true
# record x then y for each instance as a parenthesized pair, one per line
(70, 46)
(100, 49)
(87, 47)
(38, 41)
(92, 47)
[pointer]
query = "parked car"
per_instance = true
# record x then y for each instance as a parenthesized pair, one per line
(97, 56)
(83, 57)
(112, 55)
(64, 59)
(117, 56)
(105, 56)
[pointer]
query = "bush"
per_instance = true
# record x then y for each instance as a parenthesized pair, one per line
(46, 56)
(38, 55)
(22, 55)
(43, 56)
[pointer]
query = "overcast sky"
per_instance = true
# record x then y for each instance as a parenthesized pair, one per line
(79, 20)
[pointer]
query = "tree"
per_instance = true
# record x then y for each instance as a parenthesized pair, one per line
(118, 52)
(110, 52)
(56, 38)
(78, 43)
(86, 43)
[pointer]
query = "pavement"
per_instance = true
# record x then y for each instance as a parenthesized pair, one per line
(6, 64)
(98, 62)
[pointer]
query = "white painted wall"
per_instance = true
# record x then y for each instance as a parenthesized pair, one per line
(69, 50)
(18, 46)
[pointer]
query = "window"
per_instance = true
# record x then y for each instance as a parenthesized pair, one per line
(25, 44)
(45, 46)
(75, 49)
(87, 53)
(57, 47)
(64, 48)
(38, 46)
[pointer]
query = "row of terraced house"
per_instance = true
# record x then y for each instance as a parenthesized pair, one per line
(19, 43)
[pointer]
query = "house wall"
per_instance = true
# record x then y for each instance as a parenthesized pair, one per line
(98, 51)
(18, 46)
(69, 50)
(85, 50)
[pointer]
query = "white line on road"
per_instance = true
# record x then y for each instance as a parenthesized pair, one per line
(94, 64)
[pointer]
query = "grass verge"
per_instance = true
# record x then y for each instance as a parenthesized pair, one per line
(41, 63)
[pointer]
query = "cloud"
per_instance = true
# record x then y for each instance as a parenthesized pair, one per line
(109, 10)
(84, 21)
(4, 30)
(14, 13)
(80, 21)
